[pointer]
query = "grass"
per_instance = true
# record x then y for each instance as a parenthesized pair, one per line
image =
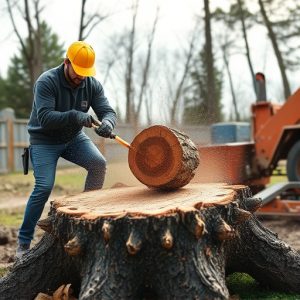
(279, 174)
(116, 172)
(3, 271)
(71, 180)
(246, 287)
(11, 218)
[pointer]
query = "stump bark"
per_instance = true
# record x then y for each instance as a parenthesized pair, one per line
(162, 157)
(136, 243)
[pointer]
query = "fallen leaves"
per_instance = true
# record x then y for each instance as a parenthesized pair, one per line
(64, 292)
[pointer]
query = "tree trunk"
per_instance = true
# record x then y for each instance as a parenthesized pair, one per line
(282, 68)
(186, 69)
(245, 37)
(129, 89)
(213, 114)
(163, 158)
(234, 102)
(139, 243)
(146, 70)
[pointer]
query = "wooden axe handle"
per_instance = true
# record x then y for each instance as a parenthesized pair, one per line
(113, 136)
(122, 142)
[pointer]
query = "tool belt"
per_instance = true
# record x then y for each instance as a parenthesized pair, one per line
(25, 160)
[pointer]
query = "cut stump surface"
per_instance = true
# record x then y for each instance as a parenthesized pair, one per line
(140, 201)
(140, 243)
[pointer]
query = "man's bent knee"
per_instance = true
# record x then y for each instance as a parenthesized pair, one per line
(97, 164)
(43, 190)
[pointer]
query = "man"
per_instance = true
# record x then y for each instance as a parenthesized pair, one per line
(62, 98)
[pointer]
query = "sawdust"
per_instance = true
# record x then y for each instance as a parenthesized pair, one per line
(8, 244)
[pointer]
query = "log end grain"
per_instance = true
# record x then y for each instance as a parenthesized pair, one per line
(164, 158)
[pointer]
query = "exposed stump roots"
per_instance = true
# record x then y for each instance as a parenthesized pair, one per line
(183, 250)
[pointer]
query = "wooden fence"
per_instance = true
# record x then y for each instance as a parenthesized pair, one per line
(14, 137)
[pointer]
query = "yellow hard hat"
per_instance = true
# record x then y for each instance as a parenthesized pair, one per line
(82, 58)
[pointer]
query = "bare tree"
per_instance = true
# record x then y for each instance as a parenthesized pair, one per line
(31, 45)
(122, 64)
(212, 104)
(88, 22)
(273, 38)
(149, 105)
(224, 48)
(182, 81)
(245, 37)
(238, 14)
(146, 70)
(130, 66)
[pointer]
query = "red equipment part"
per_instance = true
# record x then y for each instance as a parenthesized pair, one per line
(275, 137)
(281, 199)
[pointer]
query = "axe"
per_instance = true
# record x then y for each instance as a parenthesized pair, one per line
(112, 136)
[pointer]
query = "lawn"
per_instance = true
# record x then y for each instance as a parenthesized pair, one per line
(70, 180)
(11, 218)
(279, 174)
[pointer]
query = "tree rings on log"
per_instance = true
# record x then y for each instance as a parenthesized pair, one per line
(163, 158)
(142, 202)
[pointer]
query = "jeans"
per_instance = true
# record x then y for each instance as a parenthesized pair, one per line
(81, 151)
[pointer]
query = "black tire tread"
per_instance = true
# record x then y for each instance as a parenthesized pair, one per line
(293, 158)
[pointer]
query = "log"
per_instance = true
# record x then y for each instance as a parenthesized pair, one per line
(140, 243)
(163, 157)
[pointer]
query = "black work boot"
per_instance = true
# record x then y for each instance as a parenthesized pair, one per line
(21, 250)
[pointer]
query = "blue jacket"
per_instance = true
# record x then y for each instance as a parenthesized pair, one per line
(54, 115)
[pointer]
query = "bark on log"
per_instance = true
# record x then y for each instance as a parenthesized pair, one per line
(163, 157)
(136, 243)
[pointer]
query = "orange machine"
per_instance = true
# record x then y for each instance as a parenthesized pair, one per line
(275, 136)
(280, 199)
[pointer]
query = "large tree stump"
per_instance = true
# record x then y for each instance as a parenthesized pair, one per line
(140, 243)
(163, 157)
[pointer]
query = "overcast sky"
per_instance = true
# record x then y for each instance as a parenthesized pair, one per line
(176, 21)
(177, 18)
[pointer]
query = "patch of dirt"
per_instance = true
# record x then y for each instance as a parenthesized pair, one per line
(10, 188)
(8, 234)
(287, 229)
(8, 244)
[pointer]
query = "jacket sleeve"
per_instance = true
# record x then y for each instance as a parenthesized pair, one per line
(101, 106)
(44, 100)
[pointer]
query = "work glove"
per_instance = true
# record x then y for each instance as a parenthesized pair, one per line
(85, 119)
(105, 129)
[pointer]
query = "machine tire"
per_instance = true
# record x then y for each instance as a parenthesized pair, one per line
(293, 163)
